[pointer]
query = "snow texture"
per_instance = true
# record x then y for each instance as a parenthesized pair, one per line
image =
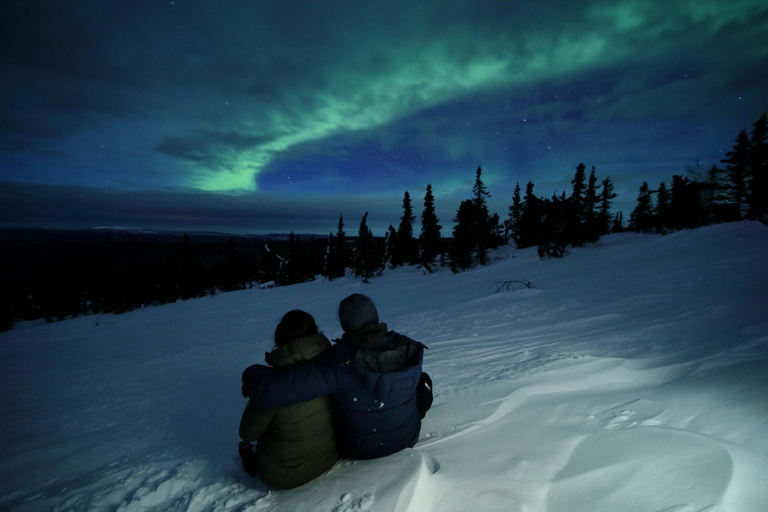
(632, 378)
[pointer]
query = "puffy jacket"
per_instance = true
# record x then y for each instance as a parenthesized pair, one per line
(296, 444)
(372, 376)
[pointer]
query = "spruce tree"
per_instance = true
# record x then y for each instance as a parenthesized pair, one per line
(607, 195)
(482, 219)
(757, 158)
(661, 213)
(576, 218)
(406, 253)
(390, 246)
(365, 260)
(429, 239)
(552, 238)
(331, 264)
(592, 227)
(515, 212)
(684, 204)
(714, 195)
(529, 219)
(641, 218)
(736, 167)
(463, 237)
(618, 223)
(341, 256)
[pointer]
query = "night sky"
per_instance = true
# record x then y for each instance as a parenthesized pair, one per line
(271, 116)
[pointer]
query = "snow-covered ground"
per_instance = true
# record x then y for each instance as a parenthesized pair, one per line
(633, 377)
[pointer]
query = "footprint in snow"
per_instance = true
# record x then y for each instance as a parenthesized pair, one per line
(351, 504)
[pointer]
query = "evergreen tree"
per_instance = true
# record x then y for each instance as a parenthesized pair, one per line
(482, 219)
(714, 195)
(551, 233)
(758, 168)
(515, 212)
(463, 242)
(366, 262)
(529, 219)
(618, 223)
(390, 246)
(607, 195)
(496, 235)
(429, 239)
(407, 250)
(641, 218)
(661, 213)
(330, 268)
(576, 218)
(684, 205)
(341, 254)
(737, 170)
(592, 227)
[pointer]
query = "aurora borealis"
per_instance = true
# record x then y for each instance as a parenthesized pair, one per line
(273, 116)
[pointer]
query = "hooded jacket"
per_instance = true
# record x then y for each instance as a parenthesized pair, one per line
(296, 444)
(372, 375)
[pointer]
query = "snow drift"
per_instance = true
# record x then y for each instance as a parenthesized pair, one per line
(632, 377)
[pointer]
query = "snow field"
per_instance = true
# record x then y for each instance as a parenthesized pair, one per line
(632, 377)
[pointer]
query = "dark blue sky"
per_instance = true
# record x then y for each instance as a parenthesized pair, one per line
(273, 116)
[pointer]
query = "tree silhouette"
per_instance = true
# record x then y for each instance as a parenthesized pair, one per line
(661, 212)
(429, 239)
(757, 158)
(463, 237)
(482, 219)
(367, 261)
(515, 213)
(642, 216)
(406, 250)
(577, 216)
(736, 168)
(607, 195)
(529, 219)
(341, 253)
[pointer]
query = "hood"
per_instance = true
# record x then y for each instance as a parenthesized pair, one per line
(391, 370)
(367, 337)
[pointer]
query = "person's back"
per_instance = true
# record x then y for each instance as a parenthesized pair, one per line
(373, 375)
(377, 400)
(295, 444)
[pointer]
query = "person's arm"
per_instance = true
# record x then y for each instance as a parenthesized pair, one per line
(254, 422)
(272, 388)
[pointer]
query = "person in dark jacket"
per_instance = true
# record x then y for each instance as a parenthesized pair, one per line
(374, 376)
(296, 443)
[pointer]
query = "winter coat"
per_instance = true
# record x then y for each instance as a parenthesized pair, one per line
(296, 444)
(372, 375)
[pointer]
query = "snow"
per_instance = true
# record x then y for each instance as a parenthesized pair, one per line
(632, 377)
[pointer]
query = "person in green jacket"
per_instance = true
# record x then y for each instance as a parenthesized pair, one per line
(294, 444)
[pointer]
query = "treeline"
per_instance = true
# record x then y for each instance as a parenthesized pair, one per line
(73, 286)
(78, 278)
(736, 191)
(552, 224)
